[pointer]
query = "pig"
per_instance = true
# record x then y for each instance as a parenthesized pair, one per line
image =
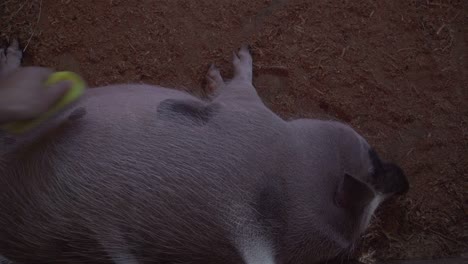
(135, 174)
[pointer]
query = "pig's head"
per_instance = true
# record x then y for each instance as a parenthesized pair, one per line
(340, 182)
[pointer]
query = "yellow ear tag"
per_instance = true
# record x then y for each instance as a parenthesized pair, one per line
(75, 92)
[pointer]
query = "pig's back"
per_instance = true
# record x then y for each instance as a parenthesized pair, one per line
(148, 171)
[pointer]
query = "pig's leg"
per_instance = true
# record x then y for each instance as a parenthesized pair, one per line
(240, 88)
(242, 61)
(10, 59)
(214, 81)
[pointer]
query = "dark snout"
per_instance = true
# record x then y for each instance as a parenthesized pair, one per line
(387, 178)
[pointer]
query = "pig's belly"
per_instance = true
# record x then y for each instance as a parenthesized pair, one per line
(122, 125)
(122, 115)
(127, 98)
(125, 138)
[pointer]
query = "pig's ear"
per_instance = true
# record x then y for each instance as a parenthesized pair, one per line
(352, 193)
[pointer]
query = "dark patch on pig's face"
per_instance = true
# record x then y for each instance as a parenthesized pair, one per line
(77, 114)
(269, 204)
(387, 178)
(196, 112)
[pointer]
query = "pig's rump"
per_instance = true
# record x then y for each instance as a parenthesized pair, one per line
(135, 171)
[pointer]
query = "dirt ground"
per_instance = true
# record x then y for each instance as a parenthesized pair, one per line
(395, 70)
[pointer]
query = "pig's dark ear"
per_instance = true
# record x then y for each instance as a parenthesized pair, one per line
(387, 178)
(352, 193)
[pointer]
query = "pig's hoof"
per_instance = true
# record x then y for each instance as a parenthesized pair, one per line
(242, 61)
(10, 58)
(214, 80)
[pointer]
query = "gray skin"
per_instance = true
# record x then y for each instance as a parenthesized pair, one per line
(144, 174)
